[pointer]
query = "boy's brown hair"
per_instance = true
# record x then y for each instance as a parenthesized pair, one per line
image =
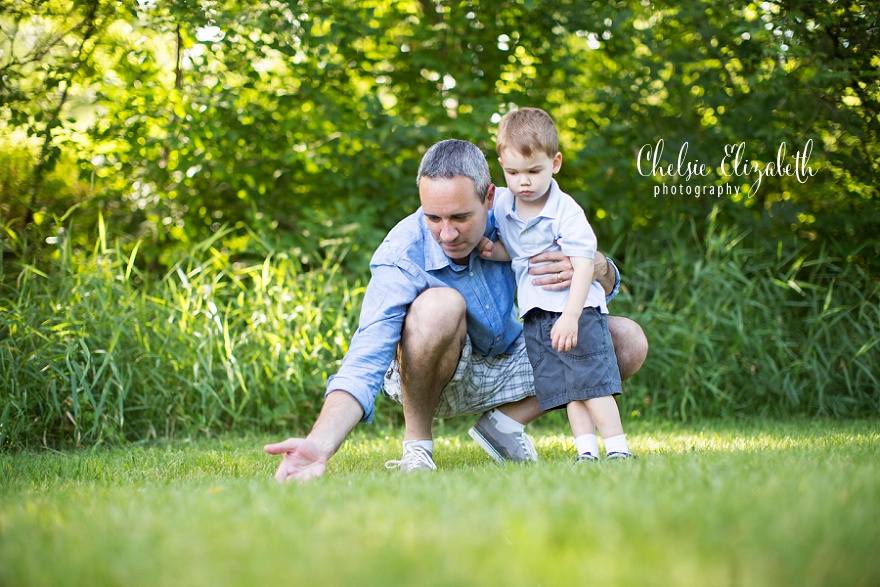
(527, 130)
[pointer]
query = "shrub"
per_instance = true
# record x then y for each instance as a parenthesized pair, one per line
(737, 330)
(91, 356)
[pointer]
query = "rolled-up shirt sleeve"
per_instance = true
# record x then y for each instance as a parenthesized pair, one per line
(616, 289)
(388, 296)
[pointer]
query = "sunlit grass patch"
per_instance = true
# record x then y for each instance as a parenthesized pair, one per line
(747, 503)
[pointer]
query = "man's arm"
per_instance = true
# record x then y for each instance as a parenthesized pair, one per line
(306, 458)
(556, 271)
(604, 273)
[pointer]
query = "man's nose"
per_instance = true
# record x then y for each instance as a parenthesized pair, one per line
(448, 233)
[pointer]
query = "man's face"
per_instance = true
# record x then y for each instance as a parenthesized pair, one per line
(454, 214)
(529, 177)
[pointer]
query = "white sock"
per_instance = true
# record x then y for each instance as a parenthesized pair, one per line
(587, 443)
(616, 444)
(505, 423)
(425, 444)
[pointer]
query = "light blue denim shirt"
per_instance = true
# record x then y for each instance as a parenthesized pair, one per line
(408, 262)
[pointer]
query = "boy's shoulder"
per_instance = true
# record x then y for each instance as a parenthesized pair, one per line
(564, 196)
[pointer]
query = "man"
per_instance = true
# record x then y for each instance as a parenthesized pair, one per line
(444, 319)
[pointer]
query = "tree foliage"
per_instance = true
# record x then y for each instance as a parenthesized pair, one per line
(306, 120)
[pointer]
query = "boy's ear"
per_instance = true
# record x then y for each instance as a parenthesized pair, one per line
(557, 162)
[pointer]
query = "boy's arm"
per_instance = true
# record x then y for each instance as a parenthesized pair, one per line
(563, 336)
(493, 250)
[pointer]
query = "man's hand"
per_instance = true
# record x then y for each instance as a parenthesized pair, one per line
(554, 271)
(306, 458)
(302, 460)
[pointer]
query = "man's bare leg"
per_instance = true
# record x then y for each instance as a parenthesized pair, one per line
(630, 345)
(524, 411)
(430, 347)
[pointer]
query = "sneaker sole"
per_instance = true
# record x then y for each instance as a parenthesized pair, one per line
(484, 444)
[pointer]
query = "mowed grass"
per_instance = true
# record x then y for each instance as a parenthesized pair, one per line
(712, 504)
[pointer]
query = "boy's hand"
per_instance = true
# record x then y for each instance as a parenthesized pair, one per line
(486, 248)
(564, 334)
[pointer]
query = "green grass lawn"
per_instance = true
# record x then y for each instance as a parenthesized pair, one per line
(712, 504)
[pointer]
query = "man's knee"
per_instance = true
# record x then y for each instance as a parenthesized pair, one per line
(436, 314)
(630, 345)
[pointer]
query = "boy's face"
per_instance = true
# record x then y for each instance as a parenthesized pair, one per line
(529, 177)
(455, 215)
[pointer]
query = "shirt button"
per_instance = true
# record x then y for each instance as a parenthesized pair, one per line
(487, 306)
(472, 273)
(526, 231)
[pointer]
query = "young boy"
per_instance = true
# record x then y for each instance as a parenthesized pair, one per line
(566, 332)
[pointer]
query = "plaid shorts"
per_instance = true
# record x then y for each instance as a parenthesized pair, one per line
(479, 383)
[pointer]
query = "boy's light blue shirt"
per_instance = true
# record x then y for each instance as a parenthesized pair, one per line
(561, 225)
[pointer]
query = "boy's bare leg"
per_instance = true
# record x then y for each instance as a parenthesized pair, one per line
(606, 415)
(579, 418)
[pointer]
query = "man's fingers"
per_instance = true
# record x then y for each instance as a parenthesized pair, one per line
(548, 269)
(551, 284)
(280, 448)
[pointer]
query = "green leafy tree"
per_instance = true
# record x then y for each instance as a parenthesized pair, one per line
(306, 121)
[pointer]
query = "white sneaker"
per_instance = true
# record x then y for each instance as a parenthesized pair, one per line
(415, 458)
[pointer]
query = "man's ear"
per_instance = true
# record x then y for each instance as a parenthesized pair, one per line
(490, 197)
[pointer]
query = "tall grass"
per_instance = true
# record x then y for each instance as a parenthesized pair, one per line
(89, 355)
(734, 330)
(92, 350)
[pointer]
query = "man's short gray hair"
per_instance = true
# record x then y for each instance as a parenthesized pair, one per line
(453, 157)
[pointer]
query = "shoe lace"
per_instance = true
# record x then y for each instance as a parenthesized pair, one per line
(414, 458)
(526, 443)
